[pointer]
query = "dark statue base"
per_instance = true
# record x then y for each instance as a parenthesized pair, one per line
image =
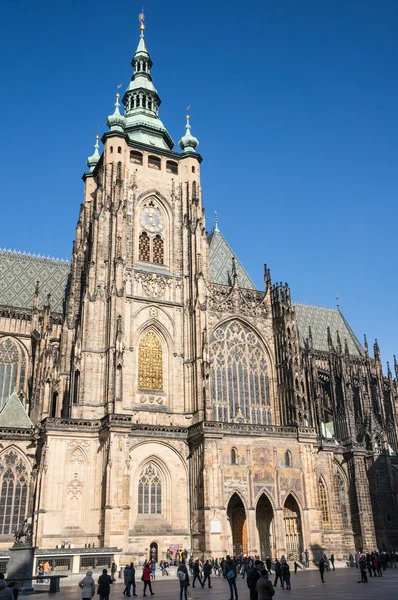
(20, 567)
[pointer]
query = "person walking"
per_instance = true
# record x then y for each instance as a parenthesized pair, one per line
(46, 569)
(131, 580)
(303, 560)
(377, 564)
(126, 591)
(196, 573)
(87, 585)
(265, 589)
(230, 574)
(113, 571)
(207, 572)
(332, 561)
(183, 576)
(5, 591)
(278, 573)
(297, 566)
(146, 578)
(268, 564)
(153, 569)
(104, 585)
(322, 568)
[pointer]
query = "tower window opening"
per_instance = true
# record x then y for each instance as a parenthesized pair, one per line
(234, 457)
(154, 162)
(111, 149)
(136, 157)
(172, 167)
(288, 458)
(193, 169)
(119, 149)
(143, 247)
(76, 388)
(158, 250)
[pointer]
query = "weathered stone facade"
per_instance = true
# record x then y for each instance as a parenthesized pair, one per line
(170, 401)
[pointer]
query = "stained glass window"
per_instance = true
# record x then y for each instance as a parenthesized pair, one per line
(13, 492)
(239, 377)
(143, 247)
(150, 491)
(150, 362)
(323, 501)
(158, 250)
(12, 368)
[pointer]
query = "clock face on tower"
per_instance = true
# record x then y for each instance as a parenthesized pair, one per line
(152, 220)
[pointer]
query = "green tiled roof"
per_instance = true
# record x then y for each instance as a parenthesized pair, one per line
(319, 319)
(220, 255)
(19, 273)
(13, 414)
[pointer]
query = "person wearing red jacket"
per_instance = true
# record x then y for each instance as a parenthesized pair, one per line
(146, 578)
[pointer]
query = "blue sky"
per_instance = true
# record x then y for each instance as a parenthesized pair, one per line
(294, 104)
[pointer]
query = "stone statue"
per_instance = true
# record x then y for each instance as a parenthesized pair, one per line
(25, 531)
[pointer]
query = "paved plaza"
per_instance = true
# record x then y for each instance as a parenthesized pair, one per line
(340, 584)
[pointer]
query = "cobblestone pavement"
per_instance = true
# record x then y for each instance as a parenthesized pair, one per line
(341, 584)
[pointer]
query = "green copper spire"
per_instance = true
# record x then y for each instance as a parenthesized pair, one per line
(141, 101)
(94, 158)
(188, 142)
(116, 122)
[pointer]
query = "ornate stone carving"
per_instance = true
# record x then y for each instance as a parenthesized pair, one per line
(226, 299)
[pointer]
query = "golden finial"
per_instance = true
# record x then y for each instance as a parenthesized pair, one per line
(188, 108)
(141, 18)
(118, 95)
(97, 137)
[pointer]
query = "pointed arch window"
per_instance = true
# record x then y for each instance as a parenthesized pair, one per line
(234, 457)
(150, 491)
(144, 247)
(12, 368)
(240, 384)
(150, 363)
(13, 492)
(288, 459)
(323, 501)
(158, 250)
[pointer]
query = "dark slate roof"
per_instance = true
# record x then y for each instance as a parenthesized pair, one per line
(13, 414)
(221, 262)
(19, 273)
(319, 319)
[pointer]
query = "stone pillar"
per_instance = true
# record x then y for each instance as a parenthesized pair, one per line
(365, 537)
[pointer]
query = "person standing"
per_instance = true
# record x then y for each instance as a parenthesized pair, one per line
(363, 568)
(286, 574)
(46, 569)
(5, 591)
(207, 572)
(183, 576)
(303, 560)
(265, 589)
(307, 558)
(322, 568)
(278, 573)
(196, 573)
(296, 566)
(87, 585)
(332, 561)
(113, 571)
(104, 585)
(146, 578)
(126, 573)
(230, 574)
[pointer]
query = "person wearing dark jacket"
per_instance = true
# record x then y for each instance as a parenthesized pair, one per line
(207, 572)
(322, 569)
(286, 574)
(278, 573)
(253, 575)
(230, 574)
(104, 585)
(196, 573)
(268, 564)
(184, 582)
(265, 589)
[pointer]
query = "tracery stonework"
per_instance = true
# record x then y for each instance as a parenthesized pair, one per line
(160, 398)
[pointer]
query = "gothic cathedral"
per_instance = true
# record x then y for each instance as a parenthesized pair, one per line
(152, 398)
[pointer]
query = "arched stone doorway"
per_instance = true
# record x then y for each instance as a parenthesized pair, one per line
(237, 517)
(153, 551)
(265, 526)
(293, 529)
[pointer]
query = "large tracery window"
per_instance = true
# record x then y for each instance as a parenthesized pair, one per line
(150, 362)
(323, 501)
(150, 491)
(12, 368)
(14, 492)
(240, 382)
